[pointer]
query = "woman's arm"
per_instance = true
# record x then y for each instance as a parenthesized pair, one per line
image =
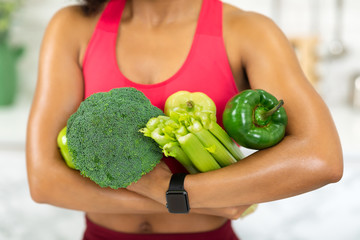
(310, 155)
(58, 94)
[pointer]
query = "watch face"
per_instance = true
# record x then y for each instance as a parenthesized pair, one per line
(177, 201)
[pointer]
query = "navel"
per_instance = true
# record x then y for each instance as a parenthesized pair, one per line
(145, 227)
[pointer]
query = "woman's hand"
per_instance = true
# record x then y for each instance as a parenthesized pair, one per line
(154, 184)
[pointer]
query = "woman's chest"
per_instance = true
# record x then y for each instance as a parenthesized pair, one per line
(150, 56)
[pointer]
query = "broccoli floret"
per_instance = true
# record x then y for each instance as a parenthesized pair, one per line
(104, 139)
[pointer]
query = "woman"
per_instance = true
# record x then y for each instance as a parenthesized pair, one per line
(161, 47)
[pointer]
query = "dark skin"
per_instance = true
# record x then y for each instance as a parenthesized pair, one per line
(260, 56)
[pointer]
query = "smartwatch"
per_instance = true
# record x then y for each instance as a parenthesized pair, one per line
(177, 200)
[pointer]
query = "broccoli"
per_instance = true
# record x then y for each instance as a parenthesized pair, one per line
(104, 140)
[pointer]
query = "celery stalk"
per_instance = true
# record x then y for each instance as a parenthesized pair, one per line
(225, 139)
(249, 210)
(212, 144)
(160, 138)
(199, 156)
(173, 149)
(152, 123)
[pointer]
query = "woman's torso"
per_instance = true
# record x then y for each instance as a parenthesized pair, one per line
(158, 72)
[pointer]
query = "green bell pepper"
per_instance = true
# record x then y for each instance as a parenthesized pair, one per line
(64, 150)
(255, 119)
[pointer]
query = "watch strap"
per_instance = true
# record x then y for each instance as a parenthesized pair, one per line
(176, 197)
(177, 182)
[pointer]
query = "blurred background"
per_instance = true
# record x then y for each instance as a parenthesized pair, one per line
(326, 37)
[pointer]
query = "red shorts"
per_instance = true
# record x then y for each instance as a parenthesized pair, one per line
(96, 232)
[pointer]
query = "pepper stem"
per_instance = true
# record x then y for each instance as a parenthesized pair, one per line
(190, 105)
(274, 109)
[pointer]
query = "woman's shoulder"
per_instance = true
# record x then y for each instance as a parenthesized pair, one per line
(253, 24)
(73, 17)
(246, 31)
(70, 29)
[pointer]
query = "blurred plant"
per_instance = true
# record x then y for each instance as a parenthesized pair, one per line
(7, 7)
(9, 55)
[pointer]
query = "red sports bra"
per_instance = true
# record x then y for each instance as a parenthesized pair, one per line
(206, 68)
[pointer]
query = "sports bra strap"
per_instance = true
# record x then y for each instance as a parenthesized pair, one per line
(110, 18)
(210, 19)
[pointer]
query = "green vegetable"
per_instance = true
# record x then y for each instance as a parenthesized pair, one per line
(173, 149)
(191, 134)
(197, 104)
(212, 144)
(104, 141)
(198, 154)
(255, 119)
(162, 129)
(191, 127)
(64, 150)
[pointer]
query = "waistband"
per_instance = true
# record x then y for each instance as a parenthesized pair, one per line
(96, 232)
